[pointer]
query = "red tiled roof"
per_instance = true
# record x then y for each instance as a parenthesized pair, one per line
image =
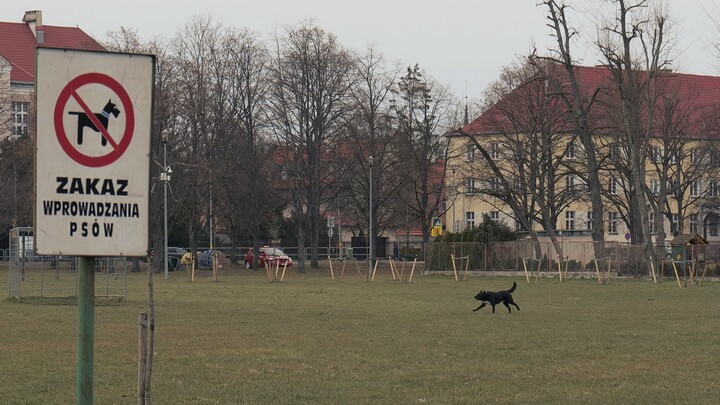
(698, 95)
(17, 45)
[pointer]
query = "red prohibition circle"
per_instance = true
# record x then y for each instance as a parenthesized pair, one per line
(70, 90)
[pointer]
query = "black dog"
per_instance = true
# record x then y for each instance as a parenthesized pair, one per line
(85, 121)
(496, 297)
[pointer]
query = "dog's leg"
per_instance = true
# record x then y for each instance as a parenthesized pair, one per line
(482, 305)
(516, 306)
(507, 306)
(493, 307)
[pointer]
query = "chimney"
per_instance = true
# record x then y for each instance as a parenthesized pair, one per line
(33, 19)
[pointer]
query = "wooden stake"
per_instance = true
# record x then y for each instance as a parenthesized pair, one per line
(413, 270)
(142, 356)
(677, 276)
(560, 269)
(452, 257)
(374, 270)
(692, 272)
(358, 269)
(215, 267)
(705, 266)
(527, 277)
(342, 272)
(467, 265)
(283, 273)
(652, 269)
(332, 274)
(597, 270)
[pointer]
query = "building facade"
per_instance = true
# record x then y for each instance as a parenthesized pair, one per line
(523, 157)
(18, 41)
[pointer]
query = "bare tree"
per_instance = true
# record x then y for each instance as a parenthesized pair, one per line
(579, 102)
(635, 32)
(244, 154)
(196, 121)
(422, 110)
(311, 76)
(369, 133)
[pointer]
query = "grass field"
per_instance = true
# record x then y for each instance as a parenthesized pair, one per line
(311, 340)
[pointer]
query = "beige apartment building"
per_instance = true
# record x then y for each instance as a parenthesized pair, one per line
(529, 150)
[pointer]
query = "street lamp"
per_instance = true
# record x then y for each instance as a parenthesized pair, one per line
(370, 228)
(165, 178)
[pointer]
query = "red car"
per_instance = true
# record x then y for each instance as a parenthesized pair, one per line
(270, 255)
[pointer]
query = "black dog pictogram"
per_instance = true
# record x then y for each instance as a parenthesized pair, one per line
(85, 121)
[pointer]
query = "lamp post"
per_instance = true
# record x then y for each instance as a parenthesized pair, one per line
(371, 238)
(165, 177)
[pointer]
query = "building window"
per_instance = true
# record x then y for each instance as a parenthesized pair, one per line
(694, 223)
(470, 185)
(613, 223)
(612, 186)
(713, 229)
(470, 152)
(655, 186)
(713, 190)
(570, 152)
(20, 118)
(518, 225)
(495, 150)
(495, 215)
(651, 220)
(570, 220)
(494, 184)
(674, 224)
(469, 219)
(570, 183)
(694, 156)
(589, 221)
(657, 154)
(695, 188)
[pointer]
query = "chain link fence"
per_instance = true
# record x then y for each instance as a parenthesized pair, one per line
(580, 256)
(30, 275)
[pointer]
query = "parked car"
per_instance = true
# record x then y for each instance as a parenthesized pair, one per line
(270, 255)
(204, 258)
(176, 252)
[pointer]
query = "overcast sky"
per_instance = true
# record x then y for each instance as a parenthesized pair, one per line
(461, 43)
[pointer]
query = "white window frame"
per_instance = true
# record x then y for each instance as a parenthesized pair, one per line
(675, 224)
(570, 220)
(470, 185)
(695, 188)
(613, 223)
(495, 150)
(612, 186)
(694, 223)
(20, 111)
(469, 219)
(571, 152)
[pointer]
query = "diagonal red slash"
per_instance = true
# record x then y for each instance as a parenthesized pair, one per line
(94, 120)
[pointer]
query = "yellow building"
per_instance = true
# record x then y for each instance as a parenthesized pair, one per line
(525, 152)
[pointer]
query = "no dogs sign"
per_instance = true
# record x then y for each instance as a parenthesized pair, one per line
(92, 160)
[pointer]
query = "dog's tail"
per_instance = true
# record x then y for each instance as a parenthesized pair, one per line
(513, 287)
